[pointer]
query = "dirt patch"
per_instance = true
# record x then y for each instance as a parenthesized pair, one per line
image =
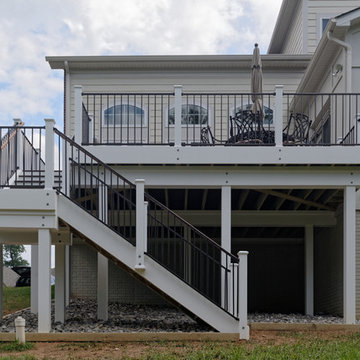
(136, 350)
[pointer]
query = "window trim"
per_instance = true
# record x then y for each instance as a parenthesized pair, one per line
(130, 103)
(319, 19)
(196, 103)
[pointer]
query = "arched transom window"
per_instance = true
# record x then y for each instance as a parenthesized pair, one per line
(190, 114)
(124, 114)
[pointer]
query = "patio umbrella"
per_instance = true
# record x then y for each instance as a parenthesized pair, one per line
(256, 84)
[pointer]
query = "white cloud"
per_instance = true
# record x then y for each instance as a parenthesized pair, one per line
(32, 29)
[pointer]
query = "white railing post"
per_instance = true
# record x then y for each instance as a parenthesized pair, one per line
(49, 153)
(233, 287)
(178, 106)
(140, 224)
(78, 113)
(357, 140)
(278, 123)
(244, 331)
(146, 204)
(19, 145)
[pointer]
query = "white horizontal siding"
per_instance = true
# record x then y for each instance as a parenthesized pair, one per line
(201, 82)
(294, 41)
(328, 9)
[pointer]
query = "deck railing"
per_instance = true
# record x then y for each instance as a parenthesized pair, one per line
(227, 119)
(168, 239)
(21, 155)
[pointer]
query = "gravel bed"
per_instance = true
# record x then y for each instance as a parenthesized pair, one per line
(294, 318)
(81, 317)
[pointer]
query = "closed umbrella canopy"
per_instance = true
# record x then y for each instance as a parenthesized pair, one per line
(256, 83)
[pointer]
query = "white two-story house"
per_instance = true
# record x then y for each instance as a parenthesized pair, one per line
(163, 178)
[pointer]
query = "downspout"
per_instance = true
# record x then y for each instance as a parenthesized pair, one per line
(66, 94)
(348, 60)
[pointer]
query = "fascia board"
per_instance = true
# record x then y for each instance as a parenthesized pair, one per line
(284, 18)
(198, 63)
(307, 84)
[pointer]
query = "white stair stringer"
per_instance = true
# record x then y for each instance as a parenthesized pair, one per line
(154, 273)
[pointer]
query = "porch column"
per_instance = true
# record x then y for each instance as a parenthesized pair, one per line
(349, 254)
(309, 270)
(225, 240)
(44, 287)
(1, 281)
(60, 283)
(102, 262)
(34, 278)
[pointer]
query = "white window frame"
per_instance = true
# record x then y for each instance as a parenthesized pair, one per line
(196, 103)
(184, 126)
(130, 103)
(320, 18)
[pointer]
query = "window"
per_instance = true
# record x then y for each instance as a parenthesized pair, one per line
(268, 118)
(190, 115)
(324, 22)
(124, 114)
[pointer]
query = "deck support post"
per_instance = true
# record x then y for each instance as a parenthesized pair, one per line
(102, 287)
(34, 278)
(49, 153)
(140, 224)
(1, 281)
(67, 275)
(60, 283)
(178, 108)
(349, 255)
(309, 270)
(244, 331)
(103, 262)
(78, 113)
(225, 242)
(278, 123)
(44, 286)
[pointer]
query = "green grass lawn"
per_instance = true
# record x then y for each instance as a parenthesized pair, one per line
(18, 298)
(308, 346)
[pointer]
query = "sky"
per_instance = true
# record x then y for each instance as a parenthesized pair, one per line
(33, 29)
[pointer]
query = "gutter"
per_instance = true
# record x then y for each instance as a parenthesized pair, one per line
(348, 59)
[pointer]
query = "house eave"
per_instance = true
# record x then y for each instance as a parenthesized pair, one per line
(176, 63)
(283, 21)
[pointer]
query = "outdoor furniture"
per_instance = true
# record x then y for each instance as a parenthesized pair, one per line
(247, 128)
(297, 129)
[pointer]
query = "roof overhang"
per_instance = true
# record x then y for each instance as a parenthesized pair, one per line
(286, 14)
(176, 63)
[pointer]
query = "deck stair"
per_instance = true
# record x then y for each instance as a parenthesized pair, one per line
(149, 240)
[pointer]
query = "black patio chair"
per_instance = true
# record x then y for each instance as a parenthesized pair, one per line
(296, 131)
(247, 128)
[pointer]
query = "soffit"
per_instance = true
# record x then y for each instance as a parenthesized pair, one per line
(176, 63)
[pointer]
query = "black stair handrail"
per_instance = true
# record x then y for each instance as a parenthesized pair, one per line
(147, 196)
(194, 258)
